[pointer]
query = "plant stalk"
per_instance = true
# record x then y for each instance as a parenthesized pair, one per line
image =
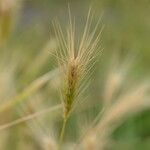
(62, 133)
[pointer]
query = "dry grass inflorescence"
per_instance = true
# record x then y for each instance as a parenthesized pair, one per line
(76, 59)
(35, 106)
(8, 9)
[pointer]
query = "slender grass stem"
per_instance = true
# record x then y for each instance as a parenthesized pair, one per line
(29, 117)
(62, 133)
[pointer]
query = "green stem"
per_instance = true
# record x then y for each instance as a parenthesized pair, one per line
(63, 130)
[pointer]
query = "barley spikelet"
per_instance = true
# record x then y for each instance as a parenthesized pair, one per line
(76, 58)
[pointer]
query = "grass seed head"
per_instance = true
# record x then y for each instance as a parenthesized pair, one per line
(76, 58)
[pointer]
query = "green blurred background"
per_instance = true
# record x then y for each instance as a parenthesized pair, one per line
(127, 31)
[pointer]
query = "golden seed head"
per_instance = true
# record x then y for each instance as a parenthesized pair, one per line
(76, 58)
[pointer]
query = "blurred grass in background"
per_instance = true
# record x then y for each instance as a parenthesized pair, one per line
(25, 54)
